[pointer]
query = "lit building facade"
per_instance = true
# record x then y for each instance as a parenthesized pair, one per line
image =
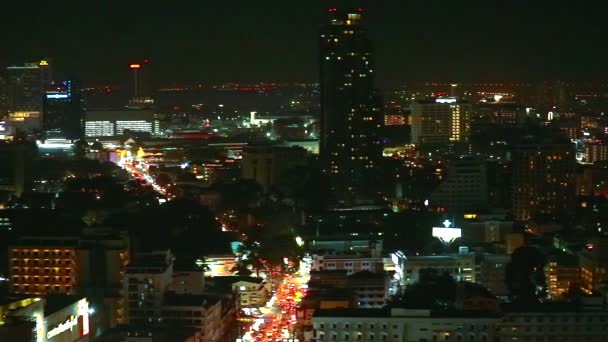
(594, 266)
(543, 179)
(351, 110)
(562, 273)
(252, 292)
(441, 122)
(115, 122)
(220, 265)
(44, 266)
(394, 120)
(595, 152)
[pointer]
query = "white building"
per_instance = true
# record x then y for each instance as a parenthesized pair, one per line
(461, 266)
(147, 280)
(351, 263)
(399, 325)
(109, 123)
(202, 313)
(441, 121)
(252, 292)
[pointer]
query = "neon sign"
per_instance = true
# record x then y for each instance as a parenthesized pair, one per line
(57, 96)
(69, 324)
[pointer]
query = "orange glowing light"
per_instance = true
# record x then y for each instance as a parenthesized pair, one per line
(135, 66)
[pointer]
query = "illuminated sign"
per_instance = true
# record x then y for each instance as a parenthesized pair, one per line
(135, 66)
(2, 126)
(43, 63)
(446, 100)
(447, 235)
(69, 324)
(57, 96)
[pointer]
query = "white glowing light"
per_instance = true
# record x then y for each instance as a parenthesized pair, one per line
(447, 235)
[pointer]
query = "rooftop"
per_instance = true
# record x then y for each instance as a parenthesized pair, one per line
(173, 299)
(54, 303)
(352, 312)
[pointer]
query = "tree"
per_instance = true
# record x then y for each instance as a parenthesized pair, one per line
(93, 217)
(97, 146)
(80, 148)
(525, 276)
(163, 179)
(434, 290)
(186, 176)
(239, 195)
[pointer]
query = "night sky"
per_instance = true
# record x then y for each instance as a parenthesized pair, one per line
(239, 40)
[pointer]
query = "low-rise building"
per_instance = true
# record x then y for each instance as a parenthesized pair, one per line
(492, 273)
(400, 325)
(351, 263)
(220, 265)
(252, 291)
(147, 279)
(199, 312)
(371, 290)
(562, 273)
(594, 266)
(462, 266)
(556, 322)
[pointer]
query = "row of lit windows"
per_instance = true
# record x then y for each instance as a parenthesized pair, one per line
(41, 253)
(42, 288)
(41, 262)
(41, 271)
(36, 279)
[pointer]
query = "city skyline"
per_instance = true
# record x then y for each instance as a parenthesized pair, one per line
(305, 172)
(237, 41)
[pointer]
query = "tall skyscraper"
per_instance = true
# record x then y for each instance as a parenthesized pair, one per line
(351, 109)
(441, 123)
(26, 86)
(63, 111)
(543, 178)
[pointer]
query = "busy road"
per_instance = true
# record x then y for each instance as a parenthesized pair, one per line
(278, 320)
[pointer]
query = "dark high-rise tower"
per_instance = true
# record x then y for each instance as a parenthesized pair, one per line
(350, 107)
(63, 111)
(26, 86)
(543, 178)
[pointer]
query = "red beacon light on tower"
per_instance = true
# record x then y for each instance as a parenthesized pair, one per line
(360, 9)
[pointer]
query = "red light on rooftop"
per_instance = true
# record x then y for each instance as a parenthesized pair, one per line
(360, 9)
(135, 66)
